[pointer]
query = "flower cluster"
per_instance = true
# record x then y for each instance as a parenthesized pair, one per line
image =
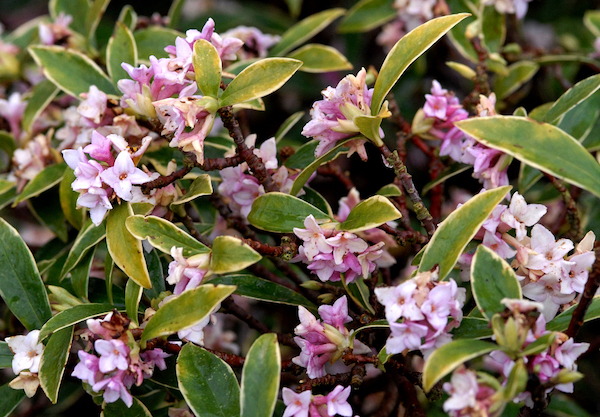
(26, 361)
(324, 341)
(104, 177)
(469, 396)
(410, 14)
(116, 365)
(305, 403)
(256, 43)
(429, 310)
(330, 253)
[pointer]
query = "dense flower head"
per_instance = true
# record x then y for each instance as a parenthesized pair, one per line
(467, 396)
(186, 274)
(305, 403)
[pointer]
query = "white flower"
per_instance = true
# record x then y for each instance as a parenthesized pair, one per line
(27, 350)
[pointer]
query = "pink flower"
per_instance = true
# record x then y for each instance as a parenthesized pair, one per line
(87, 369)
(100, 148)
(463, 389)
(156, 357)
(314, 238)
(256, 43)
(123, 175)
(27, 350)
(114, 355)
(520, 214)
(296, 403)
(12, 110)
(344, 242)
(114, 388)
(336, 314)
(399, 301)
(94, 105)
(337, 401)
(406, 335)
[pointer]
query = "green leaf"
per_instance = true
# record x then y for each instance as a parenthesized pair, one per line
(95, 13)
(260, 377)
(528, 176)
(47, 210)
(53, 362)
(303, 157)
(446, 174)
(163, 235)
(88, 236)
(359, 293)
(208, 67)
(368, 126)
(128, 16)
(279, 212)
(304, 30)
(581, 119)
(133, 295)
(320, 58)
(175, 13)
(7, 143)
(185, 310)
(121, 48)
(591, 20)
(6, 356)
(261, 289)
(370, 213)
(493, 28)
(453, 235)
(5, 185)
(153, 40)
(11, 398)
(492, 279)
(573, 97)
(540, 345)
(200, 186)
(287, 125)
(406, 51)
(80, 275)
(156, 274)
(540, 145)
(109, 267)
(41, 95)
(43, 181)
(366, 15)
(316, 199)
(462, 69)
(389, 190)
(21, 286)
(472, 328)
(120, 409)
(561, 322)
(76, 8)
(125, 249)
(207, 383)
(230, 254)
(518, 74)
(74, 315)
(259, 79)
(446, 358)
(71, 71)
(294, 6)
(68, 200)
(8, 196)
(564, 406)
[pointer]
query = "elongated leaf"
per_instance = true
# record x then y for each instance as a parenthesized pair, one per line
(304, 30)
(279, 212)
(156, 274)
(366, 15)
(591, 20)
(453, 235)
(95, 13)
(47, 210)
(80, 275)
(260, 377)
(540, 145)
(71, 71)
(579, 122)
(124, 248)
(304, 156)
(163, 235)
(462, 69)
(261, 289)
(8, 196)
(21, 286)
(564, 406)
(207, 383)
(128, 16)
(186, 310)
(492, 279)
(74, 315)
(199, 187)
(153, 40)
(518, 74)
(88, 237)
(175, 13)
(316, 199)
(472, 328)
(369, 127)
(447, 173)
(320, 58)
(11, 398)
(208, 67)
(572, 97)
(259, 79)
(6, 355)
(41, 95)
(406, 51)
(68, 200)
(76, 8)
(359, 293)
(390, 190)
(370, 213)
(133, 295)
(43, 181)
(230, 254)
(560, 323)
(120, 409)
(493, 27)
(287, 125)
(446, 358)
(53, 361)
(121, 48)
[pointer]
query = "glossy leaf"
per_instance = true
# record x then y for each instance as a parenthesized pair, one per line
(540, 145)
(21, 286)
(390, 190)
(446, 358)
(493, 28)
(446, 174)
(304, 30)
(316, 199)
(121, 48)
(454, 233)
(591, 20)
(43, 181)
(133, 295)
(230, 254)
(95, 13)
(464, 70)
(564, 406)
(163, 235)
(155, 270)
(369, 126)
(175, 13)
(260, 377)
(492, 279)
(370, 213)
(74, 315)
(80, 275)
(128, 16)
(261, 289)
(53, 362)
(579, 122)
(124, 248)
(120, 409)
(8, 196)
(573, 97)
(259, 79)
(287, 125)
(208, 67)
(320, 58)
(560, 323)
(153, 40)
(366, 15)
(185, 310)
(7, 143)
(518, 74)
(11, 398)
(47, 210)
(71, 71)
(68, 200)
(406, 51)
(76, 8)
(199, 187)
(359, 293)
(279, 212)
(472, 328)
(6, 356)
(207, 383)
(41, 95)
(304, 156)
(88, 237)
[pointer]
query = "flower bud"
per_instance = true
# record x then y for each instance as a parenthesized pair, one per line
(517, 380)
(566, 377)
(312, 285)
(326, 298)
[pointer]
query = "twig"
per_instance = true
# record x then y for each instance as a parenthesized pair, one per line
(574, 232)
(333, 170)
(482, 85)
(188, 222)
(287, 250)
(211, 164)
(165, 180)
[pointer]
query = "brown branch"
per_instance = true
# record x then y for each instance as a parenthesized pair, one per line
(211, 164)
(165, 180)
(333, 170)
(354, 378)
(287, 250)
(405, 236)
(482, 85)
(189, 224)
(575, 232)
(263, 272)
